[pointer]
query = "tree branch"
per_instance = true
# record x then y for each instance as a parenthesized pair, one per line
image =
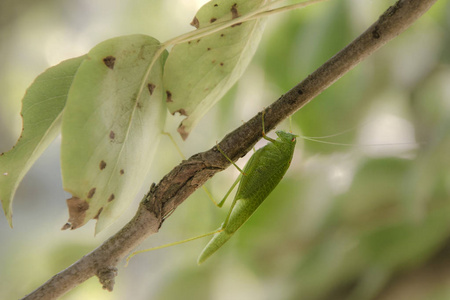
(184, 179)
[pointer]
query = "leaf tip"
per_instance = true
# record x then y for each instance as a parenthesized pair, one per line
(195, 23)
(7, 209)
(183, 132)
(9, 218)
(66, 226)
(77, 213)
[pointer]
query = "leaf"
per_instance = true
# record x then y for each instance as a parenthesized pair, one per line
(198, 73)
(42, 108)
(111, 126)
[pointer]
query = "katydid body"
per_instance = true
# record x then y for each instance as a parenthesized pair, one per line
(261, 175)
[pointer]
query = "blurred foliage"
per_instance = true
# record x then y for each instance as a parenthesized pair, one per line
(347, 222)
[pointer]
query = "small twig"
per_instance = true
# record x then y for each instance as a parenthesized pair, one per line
(184, 179)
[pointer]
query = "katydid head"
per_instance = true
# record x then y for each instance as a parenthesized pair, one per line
(286, 137)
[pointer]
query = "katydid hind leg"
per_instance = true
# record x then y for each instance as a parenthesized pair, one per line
(173, 244)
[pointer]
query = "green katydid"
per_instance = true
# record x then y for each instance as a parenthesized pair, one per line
(260, 176)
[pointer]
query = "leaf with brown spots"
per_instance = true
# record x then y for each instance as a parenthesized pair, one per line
(112, 121)
(42, 108)
(195, 92)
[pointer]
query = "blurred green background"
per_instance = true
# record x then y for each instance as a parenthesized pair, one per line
(370, 220)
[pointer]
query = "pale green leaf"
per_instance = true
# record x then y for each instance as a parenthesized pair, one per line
(199, 72)
(111, 127)
(42, 108)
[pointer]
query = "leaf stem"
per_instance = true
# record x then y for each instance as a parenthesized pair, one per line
(171, 244)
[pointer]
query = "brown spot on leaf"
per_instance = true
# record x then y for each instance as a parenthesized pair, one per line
(221, 64)
(102, 165)
(182, 131)
(212, 20)
(195, 22)
(109, 61)
(234, 11)
(98, 213)
(151, 88)
(121, 172)
(198, 41)
(112, 135)
(208, 49)
(182, 112)
(213, 61)
(77, 213)
(222, 35)
(91, 193)
(237, 24)
(189, 42)
(111, 198)
(215, 5)
(169, 96)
